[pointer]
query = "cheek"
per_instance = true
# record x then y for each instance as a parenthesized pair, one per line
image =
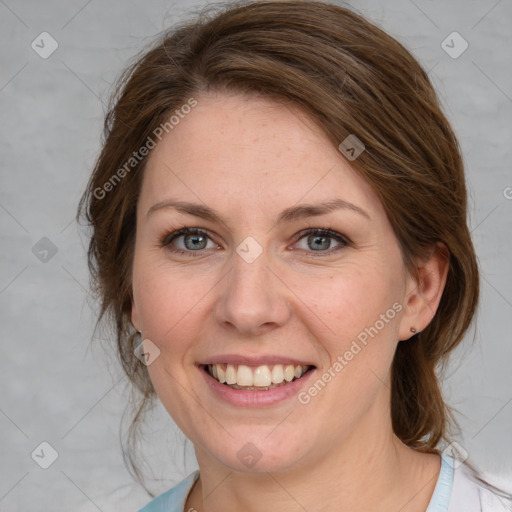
(351, 299)
(170, 305)
(356, 323)
(356, 314)
(166, 297)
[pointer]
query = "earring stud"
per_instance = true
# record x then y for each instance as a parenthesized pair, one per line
(413, 330)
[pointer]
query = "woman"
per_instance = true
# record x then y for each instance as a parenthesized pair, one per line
(279, 236)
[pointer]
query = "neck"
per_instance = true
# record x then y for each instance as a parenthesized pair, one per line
(370, 470)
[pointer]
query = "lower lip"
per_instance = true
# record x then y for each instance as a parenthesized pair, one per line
(248, 398)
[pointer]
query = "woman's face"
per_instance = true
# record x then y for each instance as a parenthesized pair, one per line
(261, 290)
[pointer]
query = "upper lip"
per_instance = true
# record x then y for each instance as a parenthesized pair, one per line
(237, 359)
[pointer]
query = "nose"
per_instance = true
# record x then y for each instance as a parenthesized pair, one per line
(253, 299)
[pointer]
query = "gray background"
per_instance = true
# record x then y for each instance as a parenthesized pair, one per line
(55, 386)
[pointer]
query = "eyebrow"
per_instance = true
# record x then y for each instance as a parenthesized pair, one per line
(291, 214)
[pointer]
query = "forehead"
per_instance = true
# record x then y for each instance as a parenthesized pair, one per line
(254, 151)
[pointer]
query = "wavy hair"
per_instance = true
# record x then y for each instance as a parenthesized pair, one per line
(351, 78)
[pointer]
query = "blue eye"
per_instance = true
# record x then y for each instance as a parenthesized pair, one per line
(193, 241)
(320, 241)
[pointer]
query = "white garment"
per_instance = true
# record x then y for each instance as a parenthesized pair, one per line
(468, 495)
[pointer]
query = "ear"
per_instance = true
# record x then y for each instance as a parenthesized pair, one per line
(424, 291)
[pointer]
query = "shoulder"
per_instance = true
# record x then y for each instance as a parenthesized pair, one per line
(174, 499)
(470, 494)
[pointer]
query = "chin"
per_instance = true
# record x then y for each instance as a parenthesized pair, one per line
(256, 452)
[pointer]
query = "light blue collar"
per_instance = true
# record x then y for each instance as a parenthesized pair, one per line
(443, 490)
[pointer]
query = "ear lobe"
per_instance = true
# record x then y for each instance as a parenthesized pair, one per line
(425, 291)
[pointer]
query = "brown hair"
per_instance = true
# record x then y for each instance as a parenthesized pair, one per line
(351, 78)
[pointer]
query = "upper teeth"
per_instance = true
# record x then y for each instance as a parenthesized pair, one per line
(263, 376)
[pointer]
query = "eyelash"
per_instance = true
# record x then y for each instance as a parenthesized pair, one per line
(168, 238)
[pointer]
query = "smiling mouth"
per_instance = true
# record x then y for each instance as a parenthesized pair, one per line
(257, 378)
